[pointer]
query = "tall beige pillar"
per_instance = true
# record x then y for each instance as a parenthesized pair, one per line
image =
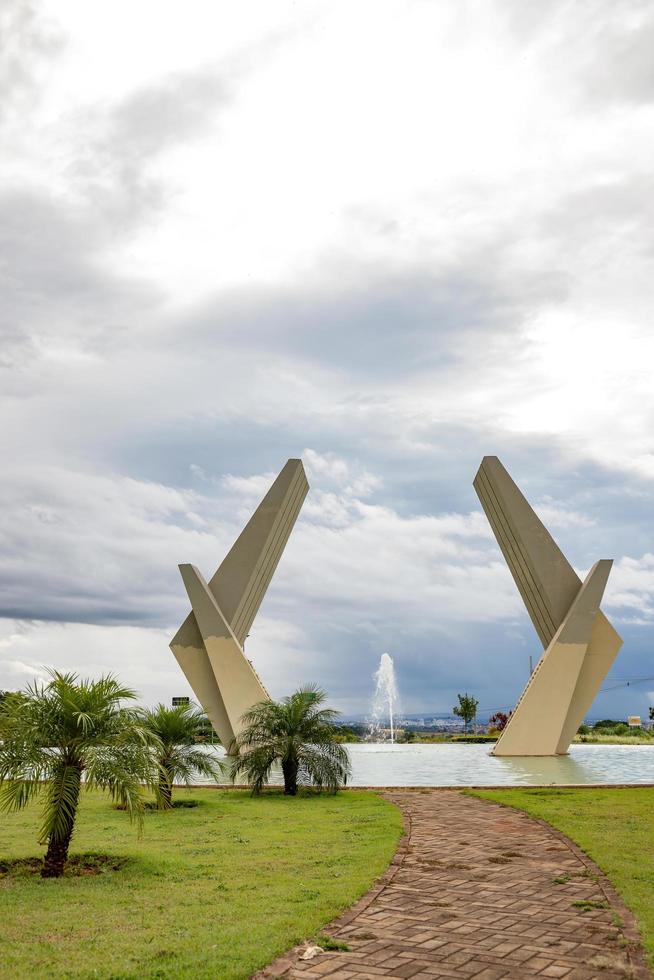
(209, 644)
(580, 643)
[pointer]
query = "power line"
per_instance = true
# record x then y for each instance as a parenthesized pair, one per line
(634, 680)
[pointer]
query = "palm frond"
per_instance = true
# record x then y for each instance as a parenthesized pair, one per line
(128, 793)
(297, 730)
(18, 793)
(196, 762)
(324, 769)
(255, 765)
(123, 771)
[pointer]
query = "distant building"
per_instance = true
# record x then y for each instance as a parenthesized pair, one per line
(634, 721)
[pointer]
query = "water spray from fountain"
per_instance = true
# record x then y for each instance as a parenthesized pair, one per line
(384, 700)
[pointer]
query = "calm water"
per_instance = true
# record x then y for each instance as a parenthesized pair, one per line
(471, 765)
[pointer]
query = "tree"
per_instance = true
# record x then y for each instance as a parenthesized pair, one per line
(347, 733)
(53, 735)
(178, 731)
(206, 731)
(466, 709)
(651, 713)
(499, 720)
(296, 732)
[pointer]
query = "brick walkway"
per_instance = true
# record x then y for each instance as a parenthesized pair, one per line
(483, 892)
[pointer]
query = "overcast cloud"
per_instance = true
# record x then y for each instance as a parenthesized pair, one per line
(390, 237)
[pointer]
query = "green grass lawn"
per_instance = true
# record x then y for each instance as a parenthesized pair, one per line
(615, 827)
(217, 891)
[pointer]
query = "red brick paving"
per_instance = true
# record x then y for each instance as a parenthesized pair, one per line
(471, 894)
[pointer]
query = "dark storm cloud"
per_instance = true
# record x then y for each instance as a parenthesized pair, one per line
(69, 541)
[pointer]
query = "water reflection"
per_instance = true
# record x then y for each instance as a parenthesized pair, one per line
(546, 770)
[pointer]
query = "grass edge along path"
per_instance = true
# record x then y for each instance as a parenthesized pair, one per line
(613, 826)
(215, 891)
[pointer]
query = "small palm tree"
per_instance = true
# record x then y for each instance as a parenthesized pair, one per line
(56, 736)
(298, 733)
(178, 730)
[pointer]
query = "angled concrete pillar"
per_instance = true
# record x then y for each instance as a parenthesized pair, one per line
(580, 643)
(209, 644)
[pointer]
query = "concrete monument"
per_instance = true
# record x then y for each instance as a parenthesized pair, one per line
(209, 643)
(580, 643)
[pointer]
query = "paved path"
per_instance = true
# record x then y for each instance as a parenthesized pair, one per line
(479, 891)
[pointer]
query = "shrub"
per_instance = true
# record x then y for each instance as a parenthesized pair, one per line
(499, 720)
(474, 739)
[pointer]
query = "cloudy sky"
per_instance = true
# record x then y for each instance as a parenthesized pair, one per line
(388, 237)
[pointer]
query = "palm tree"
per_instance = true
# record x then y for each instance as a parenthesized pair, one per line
(297, 732)
(58, 735)
(178, 730)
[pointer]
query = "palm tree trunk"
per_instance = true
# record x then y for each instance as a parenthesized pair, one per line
(56, 856)
(165, 790)
(57, 852)
(290, 769)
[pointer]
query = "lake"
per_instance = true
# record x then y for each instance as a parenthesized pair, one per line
(456, 764)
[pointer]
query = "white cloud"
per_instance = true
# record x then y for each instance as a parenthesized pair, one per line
(229, 251)
(631, 588)
(139, 657)
(555, 514)
(96, 548)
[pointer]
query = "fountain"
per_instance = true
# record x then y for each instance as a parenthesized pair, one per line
(384, 700)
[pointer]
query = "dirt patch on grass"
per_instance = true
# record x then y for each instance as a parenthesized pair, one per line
(78, 866)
